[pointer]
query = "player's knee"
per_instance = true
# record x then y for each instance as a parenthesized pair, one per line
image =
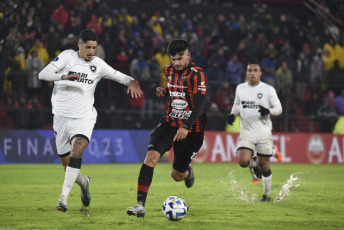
(243, 163)
(152, 158)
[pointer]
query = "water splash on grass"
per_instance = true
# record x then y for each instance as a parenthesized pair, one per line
(244, 194)
(293, 182)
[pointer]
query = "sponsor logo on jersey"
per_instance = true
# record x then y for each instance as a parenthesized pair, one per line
(83, 78)
(249, 105)
(259, 95)
(180, 113)
(179, 104)
(56, 59)
(93, 68)
(202, 86)
(176, 86)
(177, 94)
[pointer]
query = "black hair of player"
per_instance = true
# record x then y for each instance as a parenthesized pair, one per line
(176, 47)
(253, 63)
(88, 35)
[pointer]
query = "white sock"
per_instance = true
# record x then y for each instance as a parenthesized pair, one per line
(267, 185)
(273, 152)
(70, 178)
(252, 163)
(80, 180)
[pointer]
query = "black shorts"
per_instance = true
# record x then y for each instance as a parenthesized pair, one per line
(184, 151)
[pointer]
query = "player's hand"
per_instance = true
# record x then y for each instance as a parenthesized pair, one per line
(70, 77)
(134, 89)
(161, 92)
(263, 111)
(230, 119)
(181, 134)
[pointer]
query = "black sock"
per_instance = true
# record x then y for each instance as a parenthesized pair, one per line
(75, 163)
(267, 173)
(144, 181)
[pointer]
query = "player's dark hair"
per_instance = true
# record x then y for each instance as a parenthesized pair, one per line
(88, 35)
(177, 46)
(253, 63)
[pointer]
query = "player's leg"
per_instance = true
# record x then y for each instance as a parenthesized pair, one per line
(264, 153)
(161, 141)
(82, 181)
(255, 179)
(74, 136)
(144, 182)
(277, 154)
(79, 143)
(184, 152)
(264, 163)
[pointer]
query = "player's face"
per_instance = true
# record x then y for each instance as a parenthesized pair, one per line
(253, 74)
(181, 60)
(87, 50)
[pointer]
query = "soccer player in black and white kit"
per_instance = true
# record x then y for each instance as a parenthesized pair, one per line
(75, 75)
(255, 101)
(182, 125)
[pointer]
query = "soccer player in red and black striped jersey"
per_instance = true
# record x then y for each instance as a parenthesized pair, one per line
(182, 125)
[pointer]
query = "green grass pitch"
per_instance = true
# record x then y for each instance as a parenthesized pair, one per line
(222, 198)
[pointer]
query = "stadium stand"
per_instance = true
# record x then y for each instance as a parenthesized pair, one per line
(298, 43)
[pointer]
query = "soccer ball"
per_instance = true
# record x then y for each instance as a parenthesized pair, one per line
(174, 208)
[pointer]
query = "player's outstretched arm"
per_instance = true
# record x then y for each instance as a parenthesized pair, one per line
(134, 89)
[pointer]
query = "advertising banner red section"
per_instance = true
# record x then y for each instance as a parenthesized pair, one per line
(295, 148)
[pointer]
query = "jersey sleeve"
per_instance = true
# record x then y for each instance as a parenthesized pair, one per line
(61, 60)
(110, 73)
(51, 71)
(199, 90)
(236, 104)
(275, 103)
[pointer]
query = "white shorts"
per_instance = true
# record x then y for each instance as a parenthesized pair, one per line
(263, 146)
(66, 128)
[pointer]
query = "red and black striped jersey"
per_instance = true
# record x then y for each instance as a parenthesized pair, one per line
(187, 89)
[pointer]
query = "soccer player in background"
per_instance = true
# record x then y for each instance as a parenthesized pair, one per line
(182, 125)
(75, 75)
(255, 101)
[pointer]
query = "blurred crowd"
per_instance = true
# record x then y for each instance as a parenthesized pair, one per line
(302, 59)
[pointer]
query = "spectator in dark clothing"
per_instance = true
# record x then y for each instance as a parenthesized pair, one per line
(18, 77)
(199, 59)
(36, 118)
(20, 114)
(301, 76)
(313, 105)
(336, 78)
(327, 116)
(53, 42)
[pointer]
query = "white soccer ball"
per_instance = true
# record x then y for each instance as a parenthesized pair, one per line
(174, 208)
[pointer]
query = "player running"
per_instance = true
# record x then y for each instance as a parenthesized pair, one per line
(255, 101)
(75, 75)
(182, 126)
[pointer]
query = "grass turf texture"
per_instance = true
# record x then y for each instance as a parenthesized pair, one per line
(29, 194)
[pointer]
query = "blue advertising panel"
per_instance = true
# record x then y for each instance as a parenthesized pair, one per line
(106, 146)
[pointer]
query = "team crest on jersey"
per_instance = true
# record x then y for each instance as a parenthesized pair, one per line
(259, 95)
(184, 78)
(93, 68)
